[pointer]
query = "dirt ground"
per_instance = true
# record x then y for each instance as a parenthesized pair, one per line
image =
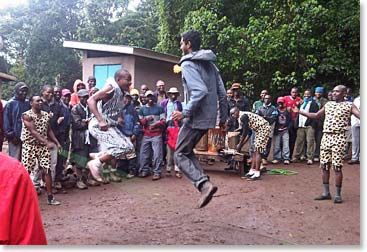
(277, 210)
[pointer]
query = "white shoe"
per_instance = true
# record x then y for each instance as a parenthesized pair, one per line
(309, 162)
(250, 173)
(275, 161)
(286, 162)
(94, 166)
(254, 177)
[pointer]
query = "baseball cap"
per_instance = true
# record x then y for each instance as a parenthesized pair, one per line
(280, 99)
(65, 91)
(149, 92)
(82, 93)
(236, 85)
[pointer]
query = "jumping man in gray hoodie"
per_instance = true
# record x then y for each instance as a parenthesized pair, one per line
(203, 92)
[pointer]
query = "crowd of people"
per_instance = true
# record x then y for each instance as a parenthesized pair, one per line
(100, 136)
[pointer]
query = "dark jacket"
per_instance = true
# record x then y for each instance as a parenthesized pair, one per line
(270, 113)
(242, 104)
(131, 124)
(13, 117)
(309, 122)
(170, 123)
(79, 128)
(56, 110)
(203, 89)
(288, 117)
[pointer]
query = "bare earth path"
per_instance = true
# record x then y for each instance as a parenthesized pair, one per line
(277, 210)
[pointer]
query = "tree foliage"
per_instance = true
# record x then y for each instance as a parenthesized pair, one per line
(269, 44)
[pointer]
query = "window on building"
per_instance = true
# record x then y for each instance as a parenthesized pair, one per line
(102, 72)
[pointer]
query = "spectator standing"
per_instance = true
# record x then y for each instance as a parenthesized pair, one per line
(281, 134)
(169, 105)
(306, 129)
(257, 104)
(270, 113)
(238, 100)
(13, 111)
(203, 91)
(153, 121)
(82, 140)
(53, 108)
(321, 101)
(130, 127)
(143, 88)
(92, 82)
(291, 101)
(160, 93)
(78, 85)
(38, 139)
(356, 124)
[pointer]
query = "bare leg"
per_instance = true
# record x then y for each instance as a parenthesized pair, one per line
(106, 157)
(257, 160)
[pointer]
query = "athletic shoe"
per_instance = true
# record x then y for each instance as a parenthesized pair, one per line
(253, 178)
(53, 202)
(309, 162)
(250, 173)
(316, 159)
(80, 185)
(94, 166)
(275, 161)
(286, 162)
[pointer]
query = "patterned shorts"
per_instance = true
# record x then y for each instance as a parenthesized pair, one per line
(112, 141)
(261, 138)
(32, 153)
(332, 150)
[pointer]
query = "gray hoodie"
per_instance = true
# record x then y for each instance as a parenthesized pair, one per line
(203, 90)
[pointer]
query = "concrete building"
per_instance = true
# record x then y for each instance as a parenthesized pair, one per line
(145, 66)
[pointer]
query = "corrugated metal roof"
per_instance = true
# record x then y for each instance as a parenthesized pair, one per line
(121, 49)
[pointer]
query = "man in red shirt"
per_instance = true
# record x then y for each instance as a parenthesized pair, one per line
(20, 216)
(291, 101)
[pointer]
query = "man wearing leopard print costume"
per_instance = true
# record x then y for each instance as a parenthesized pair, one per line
(337, 115)
(37, 138)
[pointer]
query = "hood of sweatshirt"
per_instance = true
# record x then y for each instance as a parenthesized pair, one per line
(206, 55)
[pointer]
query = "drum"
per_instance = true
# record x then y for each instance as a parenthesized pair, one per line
(202, 145)
(216, 140)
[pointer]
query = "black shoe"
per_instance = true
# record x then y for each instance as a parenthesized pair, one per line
(323, 197)
(352, 162)
(207, 192)
(338, 200)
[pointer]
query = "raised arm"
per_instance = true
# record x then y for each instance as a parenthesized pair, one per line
(317, 115)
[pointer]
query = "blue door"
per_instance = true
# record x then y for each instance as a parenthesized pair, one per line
(102, 72)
